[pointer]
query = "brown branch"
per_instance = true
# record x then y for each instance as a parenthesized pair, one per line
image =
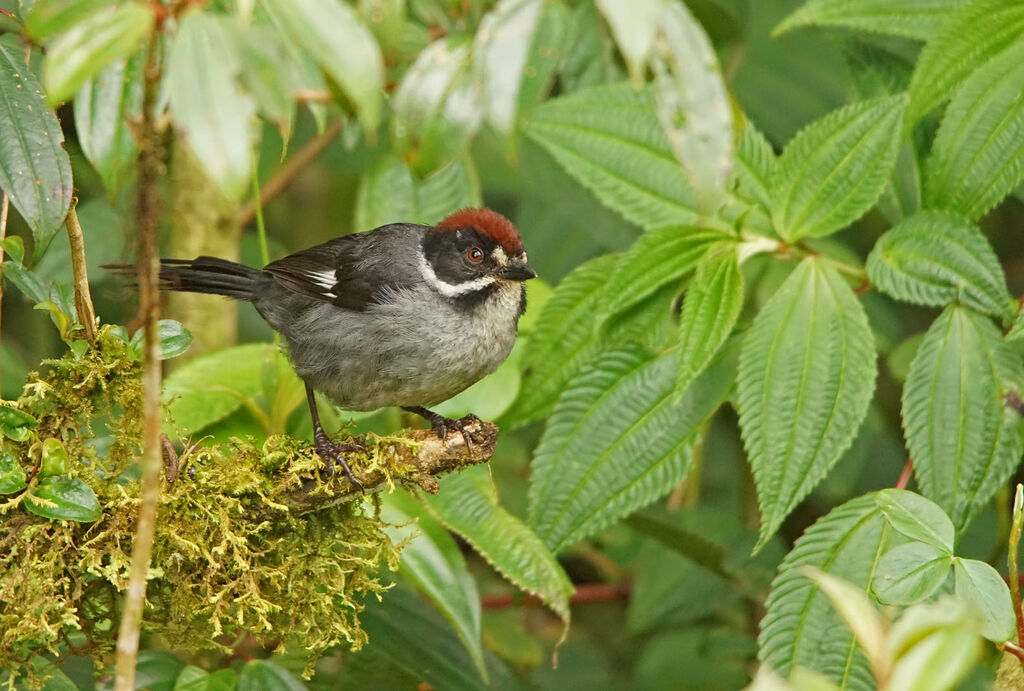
(146, 219)
(282, 178)
(83, 298)
(587, 593)
(5, 208)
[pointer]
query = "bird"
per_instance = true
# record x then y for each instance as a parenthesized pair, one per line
(403, 315)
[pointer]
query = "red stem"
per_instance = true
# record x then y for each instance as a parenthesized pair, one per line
(908, 470)
(585, 594)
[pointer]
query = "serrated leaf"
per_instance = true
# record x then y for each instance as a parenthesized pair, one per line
(693, 104)
(333, 34)
(806, 376)
(755, 168)
(634, 24)
(967, 39)
(964, 441)
(800, 628)
(455, 186)
(654, 260)
(835, 169)
(910, 18)
(981, 586)
(63, 498)
(710, 310)
(1016, 331)
(468, 505)
(81, 52)
(12, 475)
(433, 563)
(910, 573)
(978, 155)
(103, 109)
(934, 259)
(207, 102)
(617, 440)
(263, 675)
(387, 193)
(35, 171)
(917, 518)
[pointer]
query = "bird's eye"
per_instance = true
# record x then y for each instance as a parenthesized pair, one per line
(475, 255)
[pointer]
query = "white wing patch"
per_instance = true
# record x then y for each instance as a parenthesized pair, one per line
(325, 280)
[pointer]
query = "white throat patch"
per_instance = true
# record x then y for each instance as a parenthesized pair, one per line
(452, 290)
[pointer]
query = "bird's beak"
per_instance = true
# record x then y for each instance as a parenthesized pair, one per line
(517, 270)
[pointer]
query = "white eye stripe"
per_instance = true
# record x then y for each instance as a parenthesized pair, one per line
(452, 290)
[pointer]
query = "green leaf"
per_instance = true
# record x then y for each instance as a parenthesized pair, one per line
(263, 675)
(12, 475)
(939, 651)
(63, 498)
(935, 259)
(800, 627)
(334, 35)
(806, 376)
(433, 563)
(544, 55)
(910, 573)
(54, 458)
(618, 439)
(917, 518)
(756, 165)
(387, 193)
(207, 102)
(981, 586)
(468, 505)
(193, 678)
(80, 53)
(103, 108)
(910, 18)
(634, 24)
(968, 38)
(835, 169)
(455, 186)
(656, 259)
(49, 17)
(174, 338)
(964, 441)
(35, 171)
(270, 73)
(710, 310)
(978, 155)
(156, 670)
(16, 424)
(1016, 331)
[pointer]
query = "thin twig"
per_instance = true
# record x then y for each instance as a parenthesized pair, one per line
(83, 298)
(146, 211)
(908, 469)
(5, 207)
(586, 593)
(1012, 561)
(282, 178)
(1016, 650)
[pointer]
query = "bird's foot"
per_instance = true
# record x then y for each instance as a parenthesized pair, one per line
(441, 424)
(331, 452)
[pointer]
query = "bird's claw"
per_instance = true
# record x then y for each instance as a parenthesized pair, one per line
(331, 452)
(441, 425)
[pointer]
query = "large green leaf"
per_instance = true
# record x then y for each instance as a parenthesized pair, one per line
(468, 505)
(263, 675)
(980, 585)
(911, 573)
(910, 18)
(806, 376)
(966, 40)
(63, 498)
(710, 310)
(81, 52)
(834, 170)
(755, 168)
(917, 518)
(334, 35)
(617, 440)
(433, 562)
(800, 627)
(934, 259)
(389, 191)
(978, 155)
(35, 171)
(207, 103)
(964, 440)
(49, 17)
(104, 107)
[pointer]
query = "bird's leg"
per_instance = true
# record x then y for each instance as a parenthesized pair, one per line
(328, 450)
(441, 424)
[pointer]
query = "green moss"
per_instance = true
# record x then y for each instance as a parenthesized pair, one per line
(229, 558)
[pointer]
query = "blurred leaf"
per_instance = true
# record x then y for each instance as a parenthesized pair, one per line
(806, 377)
(54, 458)
(589, 58)
(156, 670)
(49, 17)
(270, 74)
(964, 441)
(544, 56)
(263, 675)
(978, 155)
(916, 517)
(935, 259)
(910, 18)
(174, 338)
(910, 573)
(103, 109)
(937, 650)
(1016, 331)
(981, 586)
(968, 38)
(453, 187)
(801, 628)
(207, 102)
(468, 505)
(16, 424)
(387, 20)
(693, 104)
(334, 35)
(195, 679)
(694, 658)
(433, 563)
(63, 498)
(80, 53)
(834, 170)
(710, 309)
(35, 171)
(634, 24)
(12, 475)
(387, 194)
(618, 439)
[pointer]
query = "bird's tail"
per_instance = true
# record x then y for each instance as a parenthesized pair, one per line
(204, 275)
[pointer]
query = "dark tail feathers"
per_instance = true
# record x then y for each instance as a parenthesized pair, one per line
(204, 275)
